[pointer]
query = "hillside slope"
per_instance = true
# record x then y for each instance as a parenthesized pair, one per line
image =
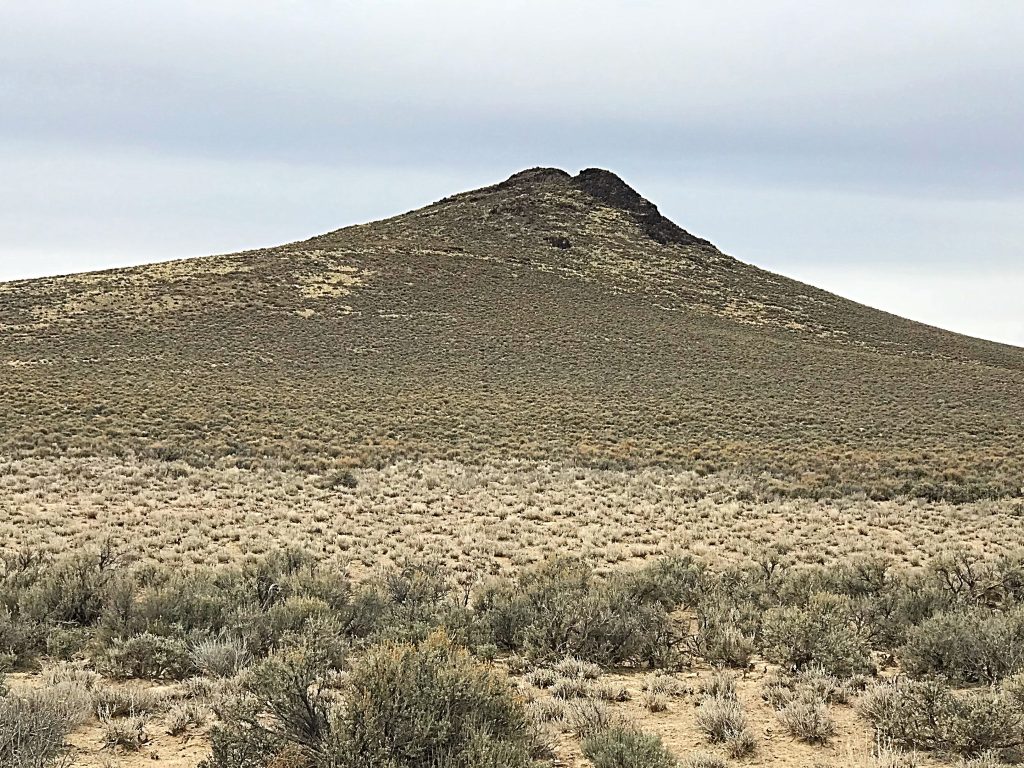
(547, 317)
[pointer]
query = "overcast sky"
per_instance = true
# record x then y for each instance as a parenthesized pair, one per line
(873, 148)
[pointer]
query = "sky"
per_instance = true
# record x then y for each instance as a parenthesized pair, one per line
(875, 149)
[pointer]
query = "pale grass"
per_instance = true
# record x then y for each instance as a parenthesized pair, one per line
(479, 519)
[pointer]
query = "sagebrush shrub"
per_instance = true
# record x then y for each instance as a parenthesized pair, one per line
(21, 640)
(1013, 686)
(402, 705)
(421, 705)
(542, 677)
(621, 747)
(664, 683)
(570, 688)
(929, 715)
(148, 656)
(71, 591)
(655, 702)
(611, 692)
(818, 635)
(589, 716)
(966, 646)
(562, 609)
(726, 645)
(577, 668)
(32, 730)
(729, 614)
(741, 744)
(185, 716)
(720, 685)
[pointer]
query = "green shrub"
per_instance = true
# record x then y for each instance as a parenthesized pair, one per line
(672, 582)
(401, 706)
(263, 629)
(562, 609)
(148, 656)
(729, 611)
(818, 635)
(883, 602)
(929, 715)
(966, 646)
(186, 602)
(71, 591)
(67, 643)
(621, 747)
(21, 640)
(431, 704)
(725, 644)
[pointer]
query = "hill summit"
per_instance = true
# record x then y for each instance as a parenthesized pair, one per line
(548, 317)
(607, 188)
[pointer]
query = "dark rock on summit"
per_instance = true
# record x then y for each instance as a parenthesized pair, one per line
(610, 189)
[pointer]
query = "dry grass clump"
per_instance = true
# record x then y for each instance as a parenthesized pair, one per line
(571, 688)
(127, 700)
(220, 656)
(186, 716)
(807, 719)
(704, 760)
(720, 716)
(612, 692)
(128, 733)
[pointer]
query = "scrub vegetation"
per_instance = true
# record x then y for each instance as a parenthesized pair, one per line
(528, 477)
(285, 659)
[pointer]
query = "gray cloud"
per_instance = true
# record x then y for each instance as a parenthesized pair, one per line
(872, 135)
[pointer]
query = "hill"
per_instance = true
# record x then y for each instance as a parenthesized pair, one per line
(546, 318)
